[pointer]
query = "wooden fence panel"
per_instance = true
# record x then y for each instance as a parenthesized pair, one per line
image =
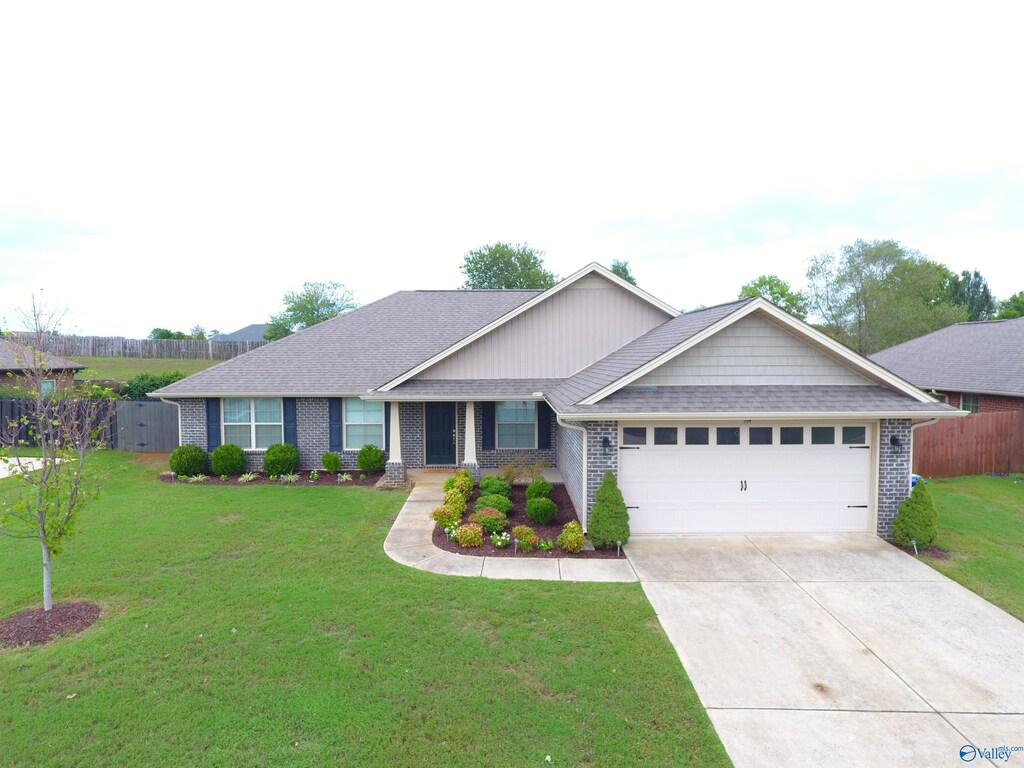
(975, 444)
(13, 408)
(118, 346)
(146, 426)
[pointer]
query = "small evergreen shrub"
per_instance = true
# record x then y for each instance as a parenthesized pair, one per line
(539, 489)
(332, 462)
(227, 459)
(916, 520)
(541, 510)
(571, 538)
(281, 459)
(491, 520)
(446, 515)
(470, 535)
(492, 485)
(371, 459)
(500, 503)
(189, 460)
(141, 384)
(528, 539)
(609, 520)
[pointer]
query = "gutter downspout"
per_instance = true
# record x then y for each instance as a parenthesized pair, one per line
(583, 433)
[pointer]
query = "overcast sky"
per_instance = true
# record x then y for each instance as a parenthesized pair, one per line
(180, 163)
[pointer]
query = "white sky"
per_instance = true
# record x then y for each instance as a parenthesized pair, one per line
(179, 163)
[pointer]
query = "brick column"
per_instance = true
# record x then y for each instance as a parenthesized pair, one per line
(893, 472)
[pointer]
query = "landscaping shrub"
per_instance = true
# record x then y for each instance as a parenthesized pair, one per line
(332, 462)
(916, 520)
(281, 459)
(490, 519)
(609, 520)
(539, 489)
(371, 459)
(463, 479)
(528, 539)
(494, 485)
(521, 470)
(542, 511)
(189, 460)
(500, 503)
(446, 515)
(141, 384)
(571, 538)
(227, 459)
(470, 535)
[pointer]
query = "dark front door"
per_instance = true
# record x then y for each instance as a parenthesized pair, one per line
(440, 433)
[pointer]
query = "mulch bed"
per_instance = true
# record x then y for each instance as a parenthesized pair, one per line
(938, 553)
(326, 478)
(566, 512)
(36, 626)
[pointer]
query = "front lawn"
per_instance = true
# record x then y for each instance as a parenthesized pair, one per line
(981, 525)
(124, 368)
(265, 626)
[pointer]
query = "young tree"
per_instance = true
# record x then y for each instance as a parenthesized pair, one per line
(1012, 307)
(621, 268)
(315, 303)
(778, 292)
(48, 450)
(501, 265)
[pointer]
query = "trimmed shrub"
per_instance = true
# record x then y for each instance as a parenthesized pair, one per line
(916, 520)
(141, 384)
(462, 479)
(528, 539)
(332, 462)
(227, 459)
(539, 489)
(492, 485)
(609, 520)
(281, 459)
(571, 538)
(189, 460)
(446, 515)
(500, 503)
(490, 519)
(470, 535)
(542, 511)
(371, 459)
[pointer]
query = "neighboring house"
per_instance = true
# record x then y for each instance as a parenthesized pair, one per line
(252, 332)
(733, 418)
(16, 360)
(977, 367)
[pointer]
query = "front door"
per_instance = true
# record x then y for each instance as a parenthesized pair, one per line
(440, 433)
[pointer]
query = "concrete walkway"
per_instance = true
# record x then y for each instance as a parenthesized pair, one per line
(409, 543)
(836, 650)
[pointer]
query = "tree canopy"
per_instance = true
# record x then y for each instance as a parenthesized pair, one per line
(196, 332)
(621, 268)
(315, 303)
(971, 290)
(778, 292)
(1012, 307)
(501, 265)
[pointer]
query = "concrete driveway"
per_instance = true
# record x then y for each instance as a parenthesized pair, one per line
(836, 650)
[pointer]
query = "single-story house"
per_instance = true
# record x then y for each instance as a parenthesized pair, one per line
(18, 360)
(734, 418)
(977, 367)
(252, 332)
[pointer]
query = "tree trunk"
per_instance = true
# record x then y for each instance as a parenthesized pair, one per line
(47, 581)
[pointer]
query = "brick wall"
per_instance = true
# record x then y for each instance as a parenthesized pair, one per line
(193, 421)
(893, 472)
(410, 426)
(499, 457)
(597, 462)
(570, 464)
(987, 403)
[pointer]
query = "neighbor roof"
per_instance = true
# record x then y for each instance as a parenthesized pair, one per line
(986, 357)
(252, 332)
(16, 357)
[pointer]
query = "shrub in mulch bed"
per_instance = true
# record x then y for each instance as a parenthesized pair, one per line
(36, 626)
(517, 516)
(936, 553)
(262, 479)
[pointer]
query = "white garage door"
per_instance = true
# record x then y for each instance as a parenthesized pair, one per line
(749, 478)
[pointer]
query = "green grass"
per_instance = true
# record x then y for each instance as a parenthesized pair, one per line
(981, 525)
(123, 368)
(360, 660)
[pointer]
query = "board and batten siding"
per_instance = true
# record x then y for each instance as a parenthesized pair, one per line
(751, 351)
(556, 338)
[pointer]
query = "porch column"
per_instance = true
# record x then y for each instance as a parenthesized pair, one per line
(469, 459)
(394, 470)
(395, 453)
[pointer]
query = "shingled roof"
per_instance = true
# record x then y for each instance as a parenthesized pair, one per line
(986, 357)
(17, 357)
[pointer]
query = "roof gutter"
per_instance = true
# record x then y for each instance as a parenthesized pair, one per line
(770, 415)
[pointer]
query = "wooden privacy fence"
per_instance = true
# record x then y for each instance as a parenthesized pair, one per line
(972, 445)
(118, 346)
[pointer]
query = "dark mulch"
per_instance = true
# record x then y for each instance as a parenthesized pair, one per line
(358, 478)
(36, 626)
(938, 553)
(566, 512)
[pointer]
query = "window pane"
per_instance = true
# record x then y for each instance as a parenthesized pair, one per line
(854, 435)
(268, 410)
(791, 435)
(48, 388)
(267, 435)
(363, 411)
(697, 435)
(728, 435)
(823, 435)
(634, 435)
(239, 436)
(760, 435)
(515, 435)
(970, 403)
(516, 411)
(358, 435)
(236, 410)
(665, 436)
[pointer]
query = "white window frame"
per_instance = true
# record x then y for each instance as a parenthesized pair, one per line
(252, 421)
(498, 423)
(45, 390)
(345, 424)
(976, 399)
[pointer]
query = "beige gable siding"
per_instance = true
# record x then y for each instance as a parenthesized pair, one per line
(577, 326)
(752, 351)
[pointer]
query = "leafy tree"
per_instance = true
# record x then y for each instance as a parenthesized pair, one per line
(778, 292)
(501, 265)
(197, 332)
(139, 385)
(1012, 307)
(164, 333)
(621, 268)
(971, 290)
(315, 303)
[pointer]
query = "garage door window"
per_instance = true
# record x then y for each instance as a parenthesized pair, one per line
(760, 435)
(665, 436)
(854, 435)
(634, 435)
(791, 435)
(823, 435)
(697, 435)
(728, 435)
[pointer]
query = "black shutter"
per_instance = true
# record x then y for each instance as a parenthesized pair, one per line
(334, 424)
(387, 427)
(291, 427)
(488, 426)
(543, 426)
(212, 423)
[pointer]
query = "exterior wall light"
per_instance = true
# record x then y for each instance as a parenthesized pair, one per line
(606, 446)
(897, 445)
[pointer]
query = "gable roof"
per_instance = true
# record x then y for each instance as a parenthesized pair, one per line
(15, 357)
(252, 332)
(985, 357)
